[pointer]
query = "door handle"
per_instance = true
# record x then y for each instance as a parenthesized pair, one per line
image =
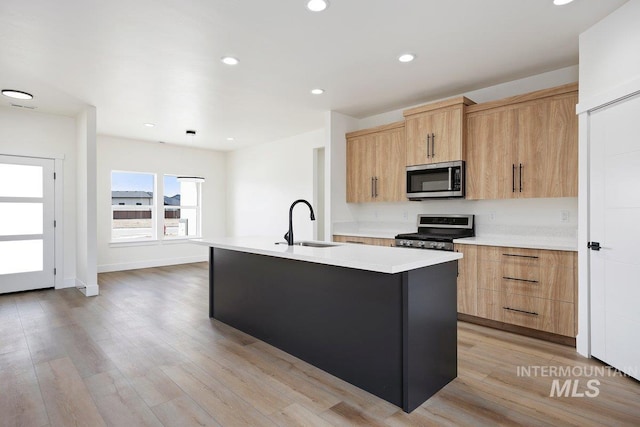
(521, 177)
(428, 139)
(433, 145)
(595, 246)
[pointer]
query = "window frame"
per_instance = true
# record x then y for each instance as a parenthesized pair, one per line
(151, 207)
(198, 209)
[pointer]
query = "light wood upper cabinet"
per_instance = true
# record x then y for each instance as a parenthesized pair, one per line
(435, 132)
(489, 172)
(523, 147)
(376, 164)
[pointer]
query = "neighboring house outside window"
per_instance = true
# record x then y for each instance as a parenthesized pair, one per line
(134, 207)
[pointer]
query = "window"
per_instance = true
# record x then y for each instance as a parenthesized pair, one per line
(181, 206)
(132, 206)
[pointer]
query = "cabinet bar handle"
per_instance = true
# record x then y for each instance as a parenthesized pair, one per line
(513, 177)
(520, 280)
(521, 311)
(353, 241)
(521, 177)
(522, 256)
(428, 138)
(433, 145)
(375, 186)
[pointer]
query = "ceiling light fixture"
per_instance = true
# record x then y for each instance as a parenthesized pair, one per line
(150, 125)
(317, 5)
(16, 94)
(561, 2)
(229, 60)
(406, 57)
(317, 91)
(231, 138)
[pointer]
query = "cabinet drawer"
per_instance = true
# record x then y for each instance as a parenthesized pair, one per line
(537, 313)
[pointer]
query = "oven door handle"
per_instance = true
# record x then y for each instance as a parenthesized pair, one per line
(450, 172)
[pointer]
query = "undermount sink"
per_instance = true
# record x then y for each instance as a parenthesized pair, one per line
(310, 244)
(315, 244)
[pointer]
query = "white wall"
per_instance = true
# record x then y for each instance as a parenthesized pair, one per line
(339, 210)
(116, 153)
(609, 69)
(86, 270)
(263, 181)
(542, 213)
(29, 133)
(609, 52)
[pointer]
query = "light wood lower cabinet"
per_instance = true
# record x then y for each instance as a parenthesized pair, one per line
(532, 288)
(467, 280)
(364, 240)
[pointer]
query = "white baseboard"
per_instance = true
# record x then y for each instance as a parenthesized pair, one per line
(106, 268)
(68, 282)
(88, 291)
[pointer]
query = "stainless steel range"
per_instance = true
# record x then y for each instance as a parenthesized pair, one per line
(438, 232)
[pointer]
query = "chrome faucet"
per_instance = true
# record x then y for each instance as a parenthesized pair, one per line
(289, 236)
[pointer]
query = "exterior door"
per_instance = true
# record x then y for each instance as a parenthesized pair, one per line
(26, 223)
(614, 205)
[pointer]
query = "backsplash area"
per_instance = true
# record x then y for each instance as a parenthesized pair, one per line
(554, 218)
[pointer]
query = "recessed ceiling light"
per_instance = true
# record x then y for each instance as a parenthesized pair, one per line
(561, 2)
(16, 94)
(231, 138)
(229, 60)
(150, 125)
(406, 57)
(317, 5)
(317, 91)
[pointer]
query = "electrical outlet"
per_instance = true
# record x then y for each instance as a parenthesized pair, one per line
(405, 215)
(492, 216)
(564, 216)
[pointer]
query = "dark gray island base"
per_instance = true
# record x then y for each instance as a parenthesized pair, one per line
(393, 335)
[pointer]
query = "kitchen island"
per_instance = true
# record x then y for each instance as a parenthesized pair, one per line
(381, 318)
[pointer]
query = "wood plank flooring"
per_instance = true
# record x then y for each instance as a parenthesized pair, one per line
(145, 353)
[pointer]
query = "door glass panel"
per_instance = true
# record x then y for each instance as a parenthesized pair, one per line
(21, 256)
(20, 180)
(21, 218)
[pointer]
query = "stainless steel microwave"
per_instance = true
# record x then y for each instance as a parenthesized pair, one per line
(436, 180)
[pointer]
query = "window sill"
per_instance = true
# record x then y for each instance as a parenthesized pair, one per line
(177, 240)
(167, 241)
(134, 243)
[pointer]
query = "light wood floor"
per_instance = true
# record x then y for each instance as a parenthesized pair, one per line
(144, 352)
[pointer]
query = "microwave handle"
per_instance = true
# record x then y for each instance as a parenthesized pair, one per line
(450, 169)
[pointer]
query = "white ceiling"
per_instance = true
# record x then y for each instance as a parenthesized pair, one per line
(158, 61)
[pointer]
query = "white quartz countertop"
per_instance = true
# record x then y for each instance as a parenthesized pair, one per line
(362, 257)
(526, 242)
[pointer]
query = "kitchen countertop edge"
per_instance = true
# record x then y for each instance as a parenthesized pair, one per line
(524, 243)
(380, 259)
